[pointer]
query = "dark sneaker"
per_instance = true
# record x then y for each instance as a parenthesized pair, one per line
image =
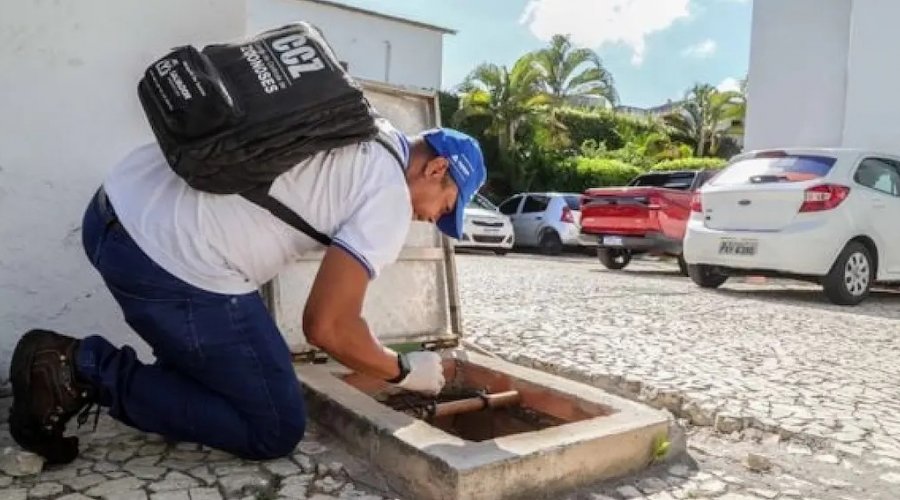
(46, 394)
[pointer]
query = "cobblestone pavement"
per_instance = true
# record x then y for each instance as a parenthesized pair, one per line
(755, 361)
(781, 395)
(119, 463)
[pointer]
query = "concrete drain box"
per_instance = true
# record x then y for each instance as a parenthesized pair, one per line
(583, 434)
(547, 434)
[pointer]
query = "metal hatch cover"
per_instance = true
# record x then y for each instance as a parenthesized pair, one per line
(415, 299)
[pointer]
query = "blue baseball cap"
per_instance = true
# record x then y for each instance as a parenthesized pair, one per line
(466, 166)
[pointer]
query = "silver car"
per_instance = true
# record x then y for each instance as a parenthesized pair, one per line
(548, 221)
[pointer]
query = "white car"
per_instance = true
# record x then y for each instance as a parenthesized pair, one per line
(549, 221)
(827, 215)
(486, 228)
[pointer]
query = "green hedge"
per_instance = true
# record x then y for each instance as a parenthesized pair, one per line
(583, 125)
(689, 164)
(603, 126)
(577, 173)
(581, 172)
(599, 172)
(629, 156)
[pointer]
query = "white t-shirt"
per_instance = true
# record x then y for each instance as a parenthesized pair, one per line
(224, 243)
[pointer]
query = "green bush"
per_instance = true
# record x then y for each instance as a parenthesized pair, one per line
(595, 125)
(602, 126)
(689, 164)
(630, 155)
(577, 173)
(586, 172)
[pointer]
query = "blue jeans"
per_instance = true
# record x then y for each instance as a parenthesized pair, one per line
(223, 375)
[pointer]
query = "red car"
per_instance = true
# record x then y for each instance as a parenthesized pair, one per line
(649, 215)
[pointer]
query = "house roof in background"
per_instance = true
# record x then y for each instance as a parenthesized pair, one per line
(351, 8)
(655, 110)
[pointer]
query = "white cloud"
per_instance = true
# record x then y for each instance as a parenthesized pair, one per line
(593, 23)
(702, 50)
(729, 83)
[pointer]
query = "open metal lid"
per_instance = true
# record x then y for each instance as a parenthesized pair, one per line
(414, 300)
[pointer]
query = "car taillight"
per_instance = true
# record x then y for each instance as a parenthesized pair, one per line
(567, 215)
(824, 197)
(696, 203)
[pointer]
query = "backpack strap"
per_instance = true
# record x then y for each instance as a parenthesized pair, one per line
(260, 196)
(384, 139)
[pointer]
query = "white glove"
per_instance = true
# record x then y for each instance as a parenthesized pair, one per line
(426, 373)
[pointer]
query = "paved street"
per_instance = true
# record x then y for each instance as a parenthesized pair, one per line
(773, 356)
(765, 361)
(762, 372)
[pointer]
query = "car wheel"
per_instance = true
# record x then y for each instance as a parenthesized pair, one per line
(706, 276)
(550, 243)
(850, 279)
(614, 258)
(682, 265)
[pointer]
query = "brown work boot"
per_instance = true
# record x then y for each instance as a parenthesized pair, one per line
(46, 394)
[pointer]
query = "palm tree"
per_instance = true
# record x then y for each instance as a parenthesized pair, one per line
(736, 111)
(685, 125)
(566, 71)
(703, 118)
(508, 97)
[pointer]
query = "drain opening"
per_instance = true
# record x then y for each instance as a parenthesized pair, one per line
(473, 415)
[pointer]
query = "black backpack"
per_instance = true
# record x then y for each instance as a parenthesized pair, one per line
(233, 117)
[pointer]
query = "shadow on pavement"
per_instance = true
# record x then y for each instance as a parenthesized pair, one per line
(881, 303)
(528, 253)
(645, 273)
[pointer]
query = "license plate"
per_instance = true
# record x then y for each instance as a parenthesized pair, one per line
(492, 230)
(612, 241)
(738, 247)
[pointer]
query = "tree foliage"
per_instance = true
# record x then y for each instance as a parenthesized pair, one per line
(705, 117)
(535, 135)
(568, 71)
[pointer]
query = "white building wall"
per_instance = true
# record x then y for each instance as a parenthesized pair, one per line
(798, 72)
(68, 111)
(376, 48)
(872, 116)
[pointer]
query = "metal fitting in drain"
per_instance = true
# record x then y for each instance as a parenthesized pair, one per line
(448, 404)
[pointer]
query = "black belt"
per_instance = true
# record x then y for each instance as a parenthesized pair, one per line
(106, 209)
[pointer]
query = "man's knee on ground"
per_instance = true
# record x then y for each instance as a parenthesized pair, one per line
(271, 443)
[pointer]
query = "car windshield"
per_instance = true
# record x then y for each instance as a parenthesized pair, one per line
(769, 169)
(680, 180)
(573, 202)
(481, 202)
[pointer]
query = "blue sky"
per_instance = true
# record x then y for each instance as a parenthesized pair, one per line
(655, 49)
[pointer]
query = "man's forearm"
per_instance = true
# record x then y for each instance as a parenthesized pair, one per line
(353, 345)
